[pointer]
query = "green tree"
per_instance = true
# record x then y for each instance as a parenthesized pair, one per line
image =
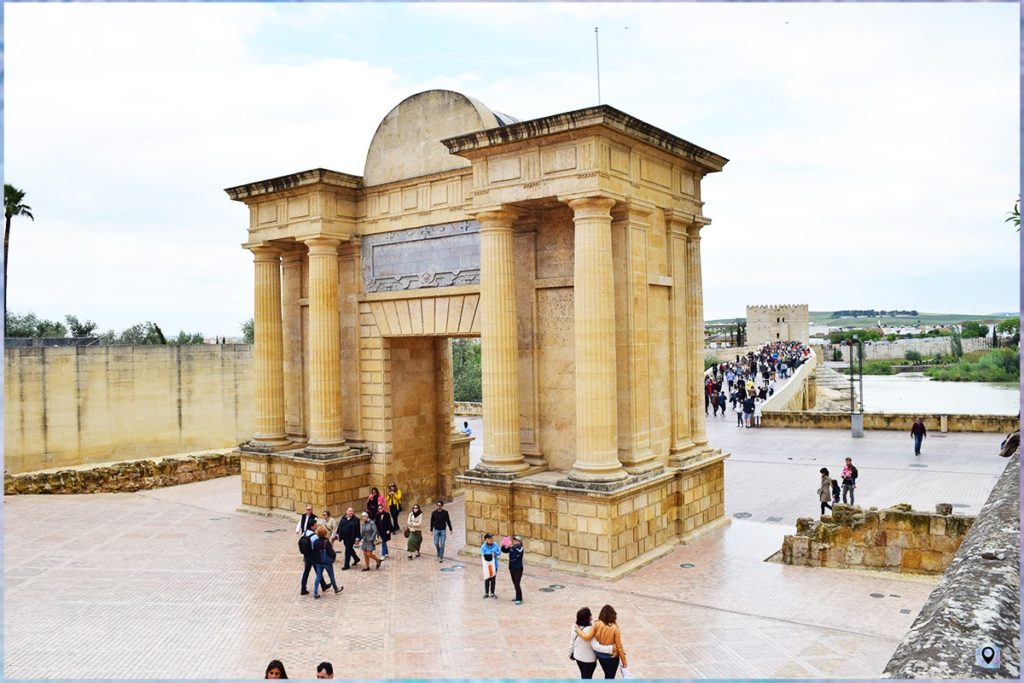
(14, 205)
(912, 355)
(184, 338)
(1014, 216)
(248, 334)
(30, 325)
(973, 330)
(466, 371)
(956, 347)
(139, 335)
(1011, 326)
(80, 329)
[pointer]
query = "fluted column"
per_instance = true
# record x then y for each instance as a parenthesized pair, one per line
(291, 287)
(680, 331)
(267, 351)
(325, 423)
(696, 310)
(594, 312)
(499, 344)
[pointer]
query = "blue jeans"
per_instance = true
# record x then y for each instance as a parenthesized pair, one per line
(308, 566)
(439, 537)
(918, 438)
(383, 548)
(320, 577)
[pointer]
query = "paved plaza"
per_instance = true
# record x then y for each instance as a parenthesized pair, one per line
(174, 583)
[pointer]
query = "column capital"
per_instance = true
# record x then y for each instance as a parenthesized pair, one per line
(501, 218)
(678, 222)
(632, 209)
(694, 228)
(265, 252)
(322, 245)
(291, 255)
(593, 206)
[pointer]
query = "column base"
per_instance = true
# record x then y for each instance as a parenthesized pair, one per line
(500, 472)
(272, 445)
(646, 462)
(324, 452)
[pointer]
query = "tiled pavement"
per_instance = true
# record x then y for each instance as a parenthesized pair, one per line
(173, 583)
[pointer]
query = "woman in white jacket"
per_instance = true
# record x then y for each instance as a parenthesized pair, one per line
(582, 650)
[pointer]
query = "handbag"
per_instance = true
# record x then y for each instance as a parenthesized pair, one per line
(626, 673)
(406, 532)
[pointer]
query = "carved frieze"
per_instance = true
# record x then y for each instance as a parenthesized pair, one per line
(431, 256)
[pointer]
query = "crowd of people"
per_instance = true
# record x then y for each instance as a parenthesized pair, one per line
(376, 525)
(741, 387)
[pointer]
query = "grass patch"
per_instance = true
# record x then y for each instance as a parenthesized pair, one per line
(1000, 365)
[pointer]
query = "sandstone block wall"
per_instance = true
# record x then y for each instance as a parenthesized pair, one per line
(598, 534)
(1002, 424)
(289, 483)
(125, 476)
(929, 346)
(898, 539)
(68, 406)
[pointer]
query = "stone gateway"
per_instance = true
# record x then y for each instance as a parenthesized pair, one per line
(570, 245)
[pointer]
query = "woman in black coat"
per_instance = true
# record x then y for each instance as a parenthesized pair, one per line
(384, 530)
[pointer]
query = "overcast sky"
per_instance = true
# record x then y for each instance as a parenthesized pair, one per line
(874, 148)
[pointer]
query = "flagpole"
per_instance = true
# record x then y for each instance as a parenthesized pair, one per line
(597, 50)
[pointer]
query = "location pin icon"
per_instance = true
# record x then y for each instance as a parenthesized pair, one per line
(988, 654)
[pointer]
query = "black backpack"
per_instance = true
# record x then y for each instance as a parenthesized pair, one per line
(835, 490)
(305, 546)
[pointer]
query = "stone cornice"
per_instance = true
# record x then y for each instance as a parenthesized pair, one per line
(600, 116)
(316, 176)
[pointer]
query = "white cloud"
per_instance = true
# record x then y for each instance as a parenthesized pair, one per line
(858, 135)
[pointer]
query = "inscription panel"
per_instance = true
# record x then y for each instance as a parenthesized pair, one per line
(432, 256)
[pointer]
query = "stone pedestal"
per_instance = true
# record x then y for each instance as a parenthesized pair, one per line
(286, 481)
(606, 534)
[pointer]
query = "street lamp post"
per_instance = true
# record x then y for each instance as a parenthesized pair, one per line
(856, 418)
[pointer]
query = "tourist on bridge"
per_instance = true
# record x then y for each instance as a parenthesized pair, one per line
(348, 533)
(825, 490)
(758, 410)
(606, 632)
(275, 670)
(374, 503)
(304, 520)
(583, 647)
(384, 530)
(490, 553)
(324, 555)
(918, 433)
(368, 533)
(849, 476)
(515, 565)
(325, 670)
(414, 531)
(394, 503)
(329, 522)
(439, 519)
(308, 558)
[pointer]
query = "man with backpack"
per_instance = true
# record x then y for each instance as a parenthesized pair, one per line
(849, 480)
(308, 559)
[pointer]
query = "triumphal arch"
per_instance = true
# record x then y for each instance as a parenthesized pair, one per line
(570, 245)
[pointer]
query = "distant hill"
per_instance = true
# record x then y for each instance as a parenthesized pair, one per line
(825, 318)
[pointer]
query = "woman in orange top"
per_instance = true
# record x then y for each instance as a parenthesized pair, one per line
(606, 631)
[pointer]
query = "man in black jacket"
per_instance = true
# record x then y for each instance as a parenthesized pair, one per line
(439, 519)
(348, 532)
(304, 520)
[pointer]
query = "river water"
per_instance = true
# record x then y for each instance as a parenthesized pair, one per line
(912, 392)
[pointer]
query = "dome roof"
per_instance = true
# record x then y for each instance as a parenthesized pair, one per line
(407, 143)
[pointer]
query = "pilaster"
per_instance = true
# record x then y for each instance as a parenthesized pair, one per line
(679, 329)
(293, 344)
(696, 323)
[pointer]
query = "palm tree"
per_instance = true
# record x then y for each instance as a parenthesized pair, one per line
(1015, 215)
(13, 206)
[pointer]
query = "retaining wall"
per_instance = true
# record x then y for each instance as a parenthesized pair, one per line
(78, 405)
(1002, 424)
(125, 476)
